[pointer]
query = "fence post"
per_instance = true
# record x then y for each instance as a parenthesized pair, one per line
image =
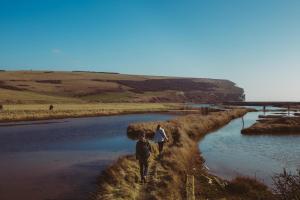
(190, 187)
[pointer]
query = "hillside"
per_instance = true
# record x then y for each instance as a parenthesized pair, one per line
(80, 87)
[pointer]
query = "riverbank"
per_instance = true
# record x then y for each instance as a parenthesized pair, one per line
(59, 159)
(274, 125)
(181, 157)
(31, 112)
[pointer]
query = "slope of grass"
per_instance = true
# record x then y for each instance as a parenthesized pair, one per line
(110, 97)
(24, 97)
(113, 87)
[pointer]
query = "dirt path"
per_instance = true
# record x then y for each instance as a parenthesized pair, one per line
(146, 188)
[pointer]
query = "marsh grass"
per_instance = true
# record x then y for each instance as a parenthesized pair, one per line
(19, 112)
(180, 157)
(279, 125)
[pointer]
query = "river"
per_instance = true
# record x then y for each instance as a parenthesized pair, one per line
(228, 153)
(60, 159)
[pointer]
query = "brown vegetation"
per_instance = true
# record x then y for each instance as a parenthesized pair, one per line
(167, 84)
(112, 87)
(287, 185)
(26, 112)
(181, 157)
(277, 125)
(269, 116)
(248, 188)
(3, 85)
(49, 81)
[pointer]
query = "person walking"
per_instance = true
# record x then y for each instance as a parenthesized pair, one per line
(160, 137)
(143, 152)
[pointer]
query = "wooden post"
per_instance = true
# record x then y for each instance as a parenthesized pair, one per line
(243, 122)
(190, 187)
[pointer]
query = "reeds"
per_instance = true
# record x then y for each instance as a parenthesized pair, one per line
(167, 175)
(22, 112)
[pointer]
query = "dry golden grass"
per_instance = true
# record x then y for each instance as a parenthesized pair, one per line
(180, 157)
(20, 112)
(278, 125)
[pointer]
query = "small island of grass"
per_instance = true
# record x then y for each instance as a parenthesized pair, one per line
(277, 125)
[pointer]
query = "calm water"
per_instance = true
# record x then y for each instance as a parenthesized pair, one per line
(229, 153)
(222, 107)
(60, 159)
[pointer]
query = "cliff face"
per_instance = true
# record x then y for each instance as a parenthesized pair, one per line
(113, 87)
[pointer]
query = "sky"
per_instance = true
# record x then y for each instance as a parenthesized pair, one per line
(254, 43)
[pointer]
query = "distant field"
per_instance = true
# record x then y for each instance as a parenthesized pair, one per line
(38, 87)
(21, 112)
(24, 97)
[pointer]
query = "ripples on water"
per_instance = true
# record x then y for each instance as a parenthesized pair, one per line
(228, 153)
(60, 159)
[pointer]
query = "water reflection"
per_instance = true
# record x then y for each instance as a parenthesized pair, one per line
(229, 153)
(60, 159)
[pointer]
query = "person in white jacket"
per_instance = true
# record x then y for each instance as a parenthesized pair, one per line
(160, 137)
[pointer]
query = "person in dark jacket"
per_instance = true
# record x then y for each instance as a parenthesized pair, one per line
(143, 151)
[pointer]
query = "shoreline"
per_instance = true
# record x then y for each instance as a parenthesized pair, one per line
(181, 157)
(58, 117)
(38, 112)
(84, 116)
(274, 125)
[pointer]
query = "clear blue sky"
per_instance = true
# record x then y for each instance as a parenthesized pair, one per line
(255, 43)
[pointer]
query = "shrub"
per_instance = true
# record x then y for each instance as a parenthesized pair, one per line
(287, 185)
(248, 188)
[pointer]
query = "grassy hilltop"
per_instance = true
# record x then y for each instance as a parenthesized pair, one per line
(38, 87)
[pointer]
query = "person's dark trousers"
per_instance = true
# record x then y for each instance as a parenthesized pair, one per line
(160, 147)
(143, 167)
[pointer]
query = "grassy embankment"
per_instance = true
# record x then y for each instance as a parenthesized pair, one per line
(274, 125)
(22, 112)
(181, 157)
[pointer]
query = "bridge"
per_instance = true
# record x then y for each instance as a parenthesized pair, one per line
(263, 103)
